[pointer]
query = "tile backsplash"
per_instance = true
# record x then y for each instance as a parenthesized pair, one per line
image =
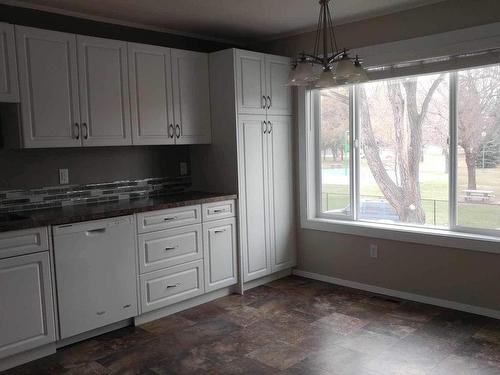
(67, 195)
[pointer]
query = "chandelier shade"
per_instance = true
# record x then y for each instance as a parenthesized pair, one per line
(337, 66)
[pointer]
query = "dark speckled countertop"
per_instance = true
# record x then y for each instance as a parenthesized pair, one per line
(77, 213)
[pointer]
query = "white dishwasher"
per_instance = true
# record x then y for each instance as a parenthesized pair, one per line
(96, 274)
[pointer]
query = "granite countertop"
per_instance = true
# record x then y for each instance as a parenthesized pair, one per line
(77, 213)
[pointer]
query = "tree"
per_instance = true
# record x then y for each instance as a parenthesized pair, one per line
(408, 116)
(478, 114)
(334, 117)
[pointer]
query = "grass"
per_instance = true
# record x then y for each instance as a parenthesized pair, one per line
(434, 191)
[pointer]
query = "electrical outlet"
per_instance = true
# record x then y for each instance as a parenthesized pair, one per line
(63, 176)
(373, 251)
(183, 168)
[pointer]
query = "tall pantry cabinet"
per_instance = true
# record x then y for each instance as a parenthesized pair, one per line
(251, 153)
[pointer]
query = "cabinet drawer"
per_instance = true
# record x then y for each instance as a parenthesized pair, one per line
(166, 287)
(21, 242)
(218, 210)
(170, 218)
(170, 247)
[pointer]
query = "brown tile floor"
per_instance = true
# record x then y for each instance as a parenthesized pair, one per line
(292, 326)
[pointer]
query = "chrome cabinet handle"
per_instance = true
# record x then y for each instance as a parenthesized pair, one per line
(169, 218)
(168, 248)
(101, 312)
(171, 131)
(220, 210)
(177, 131)
(86, 135)
(77, 133)
(219, 231)
(264, 123)
(270, 127)
(270, 102)
(264, 101)
(173, 286)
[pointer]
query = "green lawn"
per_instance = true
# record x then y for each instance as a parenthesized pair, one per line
(434, 190)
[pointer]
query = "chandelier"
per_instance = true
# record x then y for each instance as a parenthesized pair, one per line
(337, 67)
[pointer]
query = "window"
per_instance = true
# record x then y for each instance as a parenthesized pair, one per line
(420, 151)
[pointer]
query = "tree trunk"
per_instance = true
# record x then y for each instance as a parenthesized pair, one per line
(470, 160)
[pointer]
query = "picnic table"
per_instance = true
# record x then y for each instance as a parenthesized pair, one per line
(482, 195)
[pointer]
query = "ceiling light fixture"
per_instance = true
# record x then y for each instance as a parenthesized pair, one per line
(338, 68)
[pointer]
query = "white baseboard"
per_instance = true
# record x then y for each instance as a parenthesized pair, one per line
(184, 305)
(28, 356)
(402, 295)
(266, 279)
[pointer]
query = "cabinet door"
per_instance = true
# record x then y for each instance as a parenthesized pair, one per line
(191, 94)
(281, 197)
(104, 93)
(279, 95)
(250, 82)
(254, 225)
(219, 238)
(49, 88)
(26, 306)
(150, 94)
(9, 89)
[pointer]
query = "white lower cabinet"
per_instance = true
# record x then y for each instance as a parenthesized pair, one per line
(26, 305)
(219, 238)
(171, 285)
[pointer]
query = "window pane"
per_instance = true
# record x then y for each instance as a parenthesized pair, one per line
(478, 153)
(404, 162)
(334, 150)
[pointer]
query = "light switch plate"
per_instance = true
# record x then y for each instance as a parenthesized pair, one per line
(63, 176)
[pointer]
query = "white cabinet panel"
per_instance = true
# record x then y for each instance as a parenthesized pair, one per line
(151, 94)
(219, 238)
(218, 210)
(279, 95)
(49, 87)
(250, 82)
(281, 193)
(169, 218)
(104, 91)
(9, 89)
(171, 285)
(170, 247)
(191, 97)
(26, 305)
(252, 160)
(24, 241)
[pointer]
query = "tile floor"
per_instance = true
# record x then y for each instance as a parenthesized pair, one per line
(292, 326)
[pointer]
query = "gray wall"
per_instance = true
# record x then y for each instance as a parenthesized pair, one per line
(39, 167)
(462, 276)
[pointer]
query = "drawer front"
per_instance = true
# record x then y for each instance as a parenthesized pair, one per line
(218, 210)
(165, 219)
(22, 242)
(170, 247)
(171, 285)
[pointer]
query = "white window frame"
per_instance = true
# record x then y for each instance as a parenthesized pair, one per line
(311, 217)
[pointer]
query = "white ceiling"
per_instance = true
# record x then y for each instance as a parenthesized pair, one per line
(232, 20)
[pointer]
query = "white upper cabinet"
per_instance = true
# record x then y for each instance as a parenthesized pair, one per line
(9, 90)
(49, 88)
(281, 193)
(278, 94)
(150, 94)
(250, 82)
(190, 82)
(261, 83)
(104, 92)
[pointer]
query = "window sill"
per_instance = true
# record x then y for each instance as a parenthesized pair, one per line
(424, 236)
